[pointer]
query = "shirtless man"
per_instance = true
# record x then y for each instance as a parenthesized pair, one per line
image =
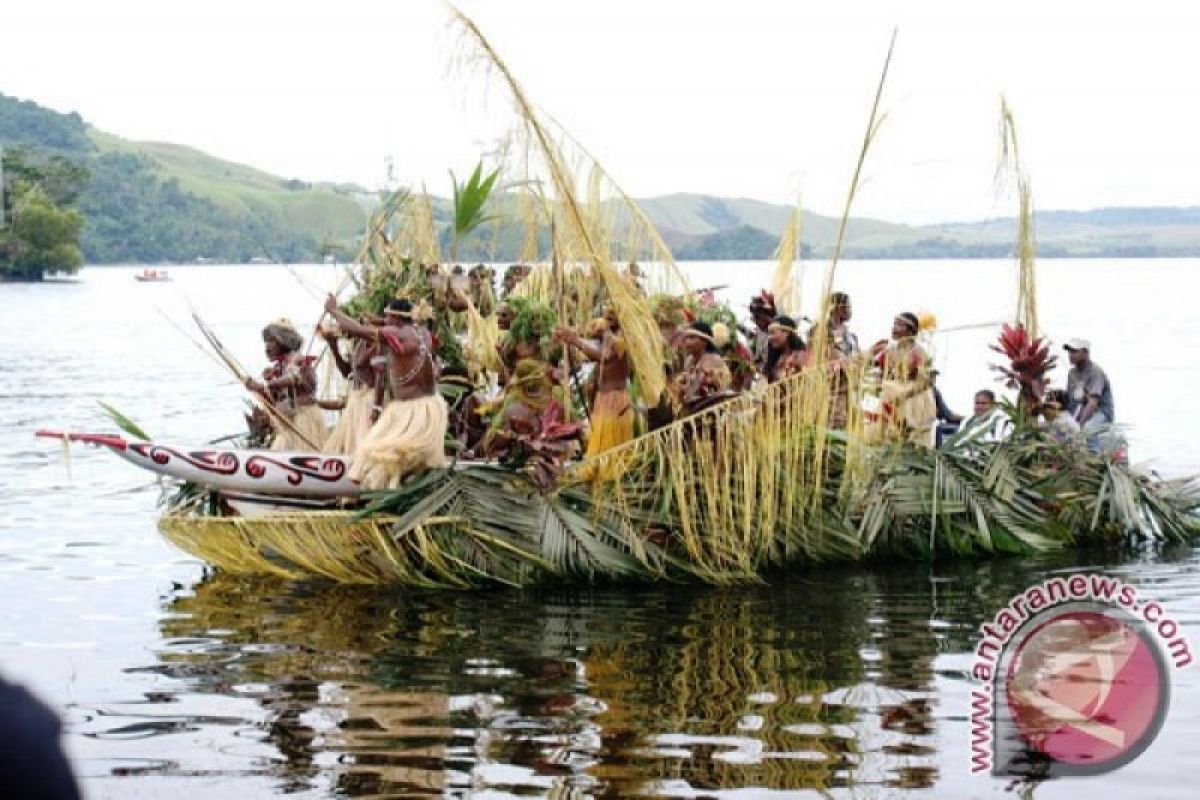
(410, 430)
(612, 410)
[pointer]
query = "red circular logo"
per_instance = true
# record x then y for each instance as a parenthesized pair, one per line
(1087, 688)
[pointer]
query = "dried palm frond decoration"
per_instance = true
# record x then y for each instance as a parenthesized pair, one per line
(713, 498)
(580, 228)
(785, 285)
(1010, 167)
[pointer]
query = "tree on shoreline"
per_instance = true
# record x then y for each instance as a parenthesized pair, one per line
(39, 228)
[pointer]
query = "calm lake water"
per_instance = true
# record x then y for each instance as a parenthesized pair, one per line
(839, 681)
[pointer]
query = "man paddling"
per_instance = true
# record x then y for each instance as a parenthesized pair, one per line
(409, 434)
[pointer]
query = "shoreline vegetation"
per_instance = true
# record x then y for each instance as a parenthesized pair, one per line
(158, 203)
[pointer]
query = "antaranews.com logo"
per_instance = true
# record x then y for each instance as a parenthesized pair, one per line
(1073, 679)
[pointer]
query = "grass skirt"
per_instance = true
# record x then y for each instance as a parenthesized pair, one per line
(309, 421)
(611, 421)
(353, 424)
(904, 416)
(408, 437)
(611, 425)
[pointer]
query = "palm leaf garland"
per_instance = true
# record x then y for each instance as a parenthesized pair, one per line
(479, 524)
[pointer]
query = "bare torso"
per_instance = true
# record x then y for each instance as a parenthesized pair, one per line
(612, 369)
(411, 372)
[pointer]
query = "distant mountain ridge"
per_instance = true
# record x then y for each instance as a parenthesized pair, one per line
(150, 202)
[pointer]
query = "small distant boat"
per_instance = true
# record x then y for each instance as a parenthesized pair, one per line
(152, 276)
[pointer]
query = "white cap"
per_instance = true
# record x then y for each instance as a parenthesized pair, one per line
(1078, 344)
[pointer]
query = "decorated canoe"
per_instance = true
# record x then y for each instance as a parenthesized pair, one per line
(728, 494)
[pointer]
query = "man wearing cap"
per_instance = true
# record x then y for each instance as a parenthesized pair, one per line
(1089, 394)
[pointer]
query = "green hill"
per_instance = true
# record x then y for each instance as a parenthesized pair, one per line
(154, 202)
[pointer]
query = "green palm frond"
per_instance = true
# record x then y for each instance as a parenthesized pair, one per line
(124, 423)
(469, 201)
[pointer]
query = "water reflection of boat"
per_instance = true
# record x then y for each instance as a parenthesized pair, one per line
(613, 693)
(152, 276)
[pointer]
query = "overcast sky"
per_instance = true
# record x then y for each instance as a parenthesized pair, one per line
(752, 98)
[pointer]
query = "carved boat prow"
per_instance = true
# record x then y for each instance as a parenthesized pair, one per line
(313, 475)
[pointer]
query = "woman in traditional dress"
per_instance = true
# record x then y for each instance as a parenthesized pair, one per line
(527, 397)
(612, 411)
(908, 407)
(785, 354)
(705, 377)
(289, 384)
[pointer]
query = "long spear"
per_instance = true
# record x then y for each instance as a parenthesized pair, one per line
(560, 289)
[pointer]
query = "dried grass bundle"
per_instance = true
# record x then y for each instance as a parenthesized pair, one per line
(1010, 167)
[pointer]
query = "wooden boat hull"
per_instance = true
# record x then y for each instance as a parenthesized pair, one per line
(257, 472)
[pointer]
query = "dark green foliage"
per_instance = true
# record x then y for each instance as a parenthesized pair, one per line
(134, 212)
(128, 194)
(740, 243)
(40, 230)
(532, 321)
(27, 125)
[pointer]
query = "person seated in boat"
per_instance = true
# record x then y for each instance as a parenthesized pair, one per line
(988, 424)
(1057, 421)
(705, 378)
(947, 420)
(289, 384)
(527, 335)
(361, 371)
(1089, 393)
(409, 433)
(786, 353)
(527, 397)
(762, 311)
(841, 340)
(611, 410)
(906, 396)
